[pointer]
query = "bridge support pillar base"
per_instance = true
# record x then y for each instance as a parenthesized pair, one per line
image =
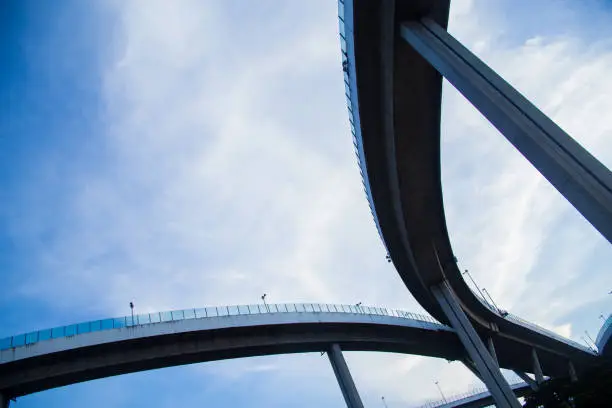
(343, 375)
(485, 364)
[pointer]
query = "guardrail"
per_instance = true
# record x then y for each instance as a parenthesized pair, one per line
(202, 313)
(350, 93)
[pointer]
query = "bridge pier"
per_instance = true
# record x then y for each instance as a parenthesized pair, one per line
(583, 180)
(343, 375)
(469, 364)
(485, 364)
(492, 350)
(532, 384)
(572, 372)
(537, 368)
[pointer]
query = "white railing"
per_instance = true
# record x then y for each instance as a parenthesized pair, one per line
(202, 313)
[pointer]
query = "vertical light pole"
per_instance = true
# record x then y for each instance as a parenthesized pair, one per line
(441, 393)
(264, 302)
(589, 336)
(602, 317)
(492, 301)
(358, 306)
(475, 285)
(132, 309)
(384, 402)
(588, 344)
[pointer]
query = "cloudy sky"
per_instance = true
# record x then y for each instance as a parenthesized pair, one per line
(191, 153)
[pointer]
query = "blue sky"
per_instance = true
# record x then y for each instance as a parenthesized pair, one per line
(193, 153)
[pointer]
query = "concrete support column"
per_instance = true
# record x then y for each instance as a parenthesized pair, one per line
(343, 375)
(584, 181)
(572, 372)
(472, 367)
(537, 368)
(492, 350)
(489, 371)
(532, 384)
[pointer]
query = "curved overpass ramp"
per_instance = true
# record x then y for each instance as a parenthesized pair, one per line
(66, 355)
(394, 99)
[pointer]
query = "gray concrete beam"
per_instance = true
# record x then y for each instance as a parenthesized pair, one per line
(584, 181)
(343, 375)
(492, 350)
(486, 366)
(572, 372)
(532, 384)
(537, 367)
(469, 364)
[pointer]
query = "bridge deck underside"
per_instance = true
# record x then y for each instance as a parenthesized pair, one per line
(399, 102)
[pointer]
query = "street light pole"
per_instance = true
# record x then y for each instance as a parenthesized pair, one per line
(475, 285)
(588, 344)
(589, 336)
(492, 301)
(132, 309)
(264, 302)
(384, 402)
(441, 393)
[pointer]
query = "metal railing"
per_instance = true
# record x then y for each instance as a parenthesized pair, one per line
(202, 313)
(350, 93)
(522, 322)
(465, 395)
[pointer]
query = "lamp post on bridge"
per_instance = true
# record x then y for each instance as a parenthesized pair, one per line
(475, 285)
(589, 336)
(264, 302)
(492, 301)
(588, 344)
(132, 309)
(441, 393)
(384, 402)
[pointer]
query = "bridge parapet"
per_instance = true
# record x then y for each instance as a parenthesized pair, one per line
(26, 339)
